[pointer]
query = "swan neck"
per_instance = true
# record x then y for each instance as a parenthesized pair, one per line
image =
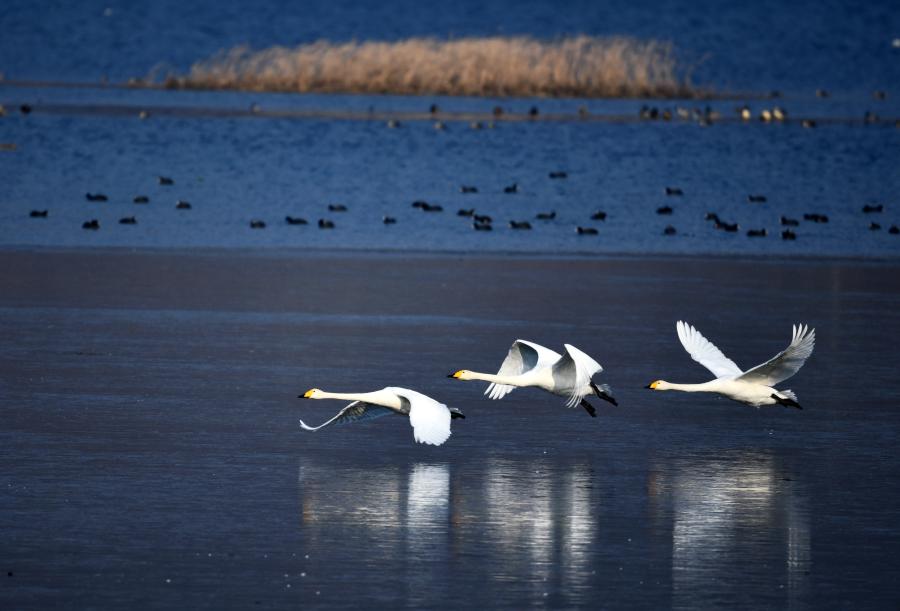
(689, 387)
(496, 379)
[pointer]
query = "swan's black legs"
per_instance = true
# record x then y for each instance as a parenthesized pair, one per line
(786, 402)
(590, 408)
(603, 395)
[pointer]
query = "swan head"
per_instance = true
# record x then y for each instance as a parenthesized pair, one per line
(312, 393)
(658, 385)
(462, 374)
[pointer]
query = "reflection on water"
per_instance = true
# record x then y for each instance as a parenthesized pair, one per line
(733, 520)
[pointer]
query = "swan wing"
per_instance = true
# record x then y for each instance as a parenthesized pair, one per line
(573, 372)
(357, 411)
(787, 362)
(523, 356)
(430, 419)
(705, 352)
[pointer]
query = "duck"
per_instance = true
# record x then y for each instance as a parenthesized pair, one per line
(337, 208)
(756, 199)
(586, 230)
(815, 217)
(295, 220)
(546, 216)
(757, 233)
(326, 224)
(664, 210)
(467, 212)
(141, 199)
(388, 220)
(808, 123)
(727, 227)
(870, 208)
(482, 218)
(712, 216)
(599, 215)
(96, 197)
(430, 419)
(674, 192)
(513, 188)
(669, 230)
(789, 222)
(894, 230)
(468, 189)
(482, 226)
(128, 220)
(528, 364)
(93, 224)
(165, 180)
(787, 234)
(754, 387)
(257, 224)
(558, 175)
(519, 225)
(182, 205)
(39, 214)
(874, 226)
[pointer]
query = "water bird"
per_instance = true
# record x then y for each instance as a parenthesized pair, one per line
(439, 126)
(815, 217)
(96, 197)
(482, 226)
(388, 220)
(745, 113)
(426, 207)
(295, 220)
(433, 109)
(465, 212)
(808, 123)
(599, 215)
(787, 234)
(765, 115)
(513, 188)
(38, 214)
(756, 199)
(894, 230)
(143, 115)
(141, 199)
(482, 218)
(257, 224)
(779, 114)
(754, 387)
(91, 224)
(874, 226)
(533, 111)
(325, 224)
(519, 225)
(25, 109)
(476, 125)
(337, 208)
(165, 180)
(468, 189)
(667, 115)
(419, 203)
(183, 205)
(669, 230)
(674, 191)
(789, 222)
(870, 117)
(585, 230)
(727, 227)
(546, 216)
(879, 95)
(664, 210)
(528, 364)
(757, 233)
(128, 220)
(393, 124)
(870, 208)
(712, 216)
(821, 93)
(558, 175)
(429, 419)
(497, 111)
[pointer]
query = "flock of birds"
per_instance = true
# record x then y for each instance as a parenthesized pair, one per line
(570, 375)
(485, 222)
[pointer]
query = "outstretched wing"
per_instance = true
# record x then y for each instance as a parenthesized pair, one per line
(704, 352)
(523, 356)
(429, 418)
(572, 373)
(357, 411)
(787, 362)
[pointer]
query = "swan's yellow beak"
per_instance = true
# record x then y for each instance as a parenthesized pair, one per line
(653, 385)
(457, 375)
(309, 393)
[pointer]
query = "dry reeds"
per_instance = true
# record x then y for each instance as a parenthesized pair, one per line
(582, 66)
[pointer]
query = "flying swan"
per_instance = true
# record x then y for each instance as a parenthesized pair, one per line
(530, 364)
(430, 420)
(755, 386)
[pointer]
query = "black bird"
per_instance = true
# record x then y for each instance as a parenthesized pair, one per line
(433, 109)
(712, 216)
(816, 217)
(789, 222)
(787, 234)
(586, 231)
(727, 227)
(426, 207)
(325, 224)
(141, 199)
(874, 226)
(257, 224)
(483, 219)
(808, 123)
(757, 233)
(128, 220)
(183, 205)
(558, 175)
(96, 197)
(38, 214)
(894, 230)
(419, 204)
(519, 225)
(533, 111)
(513, 188)
(295, 220)
(465, 212)
(869, 208)
(388, 220)
(337, 207)
(664, 210)
(91, 224)
(468, 189)
(756, 199)
(482, 226)
(25, 109)
(674, 191)
(546, 216)
(165, 180)
(669, 230)
(599, 215)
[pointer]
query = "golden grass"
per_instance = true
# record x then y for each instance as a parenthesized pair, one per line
(582, 66)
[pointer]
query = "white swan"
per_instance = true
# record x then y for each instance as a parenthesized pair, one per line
(755, 386)
(530, 364)
(430, 419)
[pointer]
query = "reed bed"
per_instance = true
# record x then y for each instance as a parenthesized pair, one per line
(581, 66)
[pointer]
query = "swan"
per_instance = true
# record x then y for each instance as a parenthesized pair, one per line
(430, 420)
(530, 364)
(755, 386)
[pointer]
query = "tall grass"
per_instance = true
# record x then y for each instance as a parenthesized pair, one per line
(582, 66)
